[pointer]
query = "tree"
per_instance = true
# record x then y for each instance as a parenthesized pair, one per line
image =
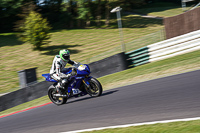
(8, 10)
(9, 7)
(98, 17)
(84, 11)
(72, 10)
(107, 22)
(35, 30)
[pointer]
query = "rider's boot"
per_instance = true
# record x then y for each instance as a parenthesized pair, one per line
(60, 90)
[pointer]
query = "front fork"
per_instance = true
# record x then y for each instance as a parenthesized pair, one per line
(86, 84)
(85, 81)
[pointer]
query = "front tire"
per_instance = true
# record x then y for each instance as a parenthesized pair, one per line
(56, 100)
(95, 88)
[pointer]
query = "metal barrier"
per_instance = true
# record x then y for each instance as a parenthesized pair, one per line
(165, 49)
(138, 57)
(175, 46)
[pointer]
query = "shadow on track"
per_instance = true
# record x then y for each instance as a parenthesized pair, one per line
(86, 98)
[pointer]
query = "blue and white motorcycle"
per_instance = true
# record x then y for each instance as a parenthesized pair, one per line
(79, 85)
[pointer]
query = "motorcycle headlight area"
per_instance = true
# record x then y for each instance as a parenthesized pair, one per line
(82, 67)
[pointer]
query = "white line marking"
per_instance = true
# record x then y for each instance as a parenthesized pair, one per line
(136, 124)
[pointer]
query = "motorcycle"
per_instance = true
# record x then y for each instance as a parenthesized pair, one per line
(79, 85)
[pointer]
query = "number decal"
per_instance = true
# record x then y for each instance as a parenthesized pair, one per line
(75, 91)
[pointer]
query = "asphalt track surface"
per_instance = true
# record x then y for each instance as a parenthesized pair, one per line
(173, 97)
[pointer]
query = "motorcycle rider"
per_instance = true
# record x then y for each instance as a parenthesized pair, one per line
(58, 67)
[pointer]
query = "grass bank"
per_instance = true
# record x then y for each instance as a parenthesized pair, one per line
(162, 9)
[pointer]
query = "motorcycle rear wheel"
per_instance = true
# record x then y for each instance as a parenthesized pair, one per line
(55, 100)
(95, 88)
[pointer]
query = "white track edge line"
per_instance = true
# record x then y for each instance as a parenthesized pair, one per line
(136, 124)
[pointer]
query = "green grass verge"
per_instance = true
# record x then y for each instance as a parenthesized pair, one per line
(163, 9)
(174, 127)
(164, 12)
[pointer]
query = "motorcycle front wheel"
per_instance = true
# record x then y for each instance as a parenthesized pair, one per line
(56, 100)
(95, 88)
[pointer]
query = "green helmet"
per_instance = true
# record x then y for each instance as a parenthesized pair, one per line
(64, 55)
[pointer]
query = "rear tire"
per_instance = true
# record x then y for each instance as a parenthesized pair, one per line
(95, 88)
(55, 100)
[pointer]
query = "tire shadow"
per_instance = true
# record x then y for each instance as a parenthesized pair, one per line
(88, 97)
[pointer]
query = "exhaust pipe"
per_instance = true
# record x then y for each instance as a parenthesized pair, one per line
(59, 95)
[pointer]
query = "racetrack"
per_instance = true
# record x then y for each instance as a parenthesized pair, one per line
(173, 97)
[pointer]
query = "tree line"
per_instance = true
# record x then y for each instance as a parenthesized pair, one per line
(67, 13)
(63, 13)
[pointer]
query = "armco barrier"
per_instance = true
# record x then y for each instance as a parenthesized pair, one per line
(24, 95)
(109, 65)
(138, 57)
(175, 46)
(165, 49)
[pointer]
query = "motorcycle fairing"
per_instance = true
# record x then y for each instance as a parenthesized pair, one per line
(48, 77)
(74, 82)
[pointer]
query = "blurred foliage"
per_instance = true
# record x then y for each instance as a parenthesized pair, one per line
(35, 30)
(8, 11)
(65, 14)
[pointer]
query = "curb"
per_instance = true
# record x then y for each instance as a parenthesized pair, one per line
(25, 110)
